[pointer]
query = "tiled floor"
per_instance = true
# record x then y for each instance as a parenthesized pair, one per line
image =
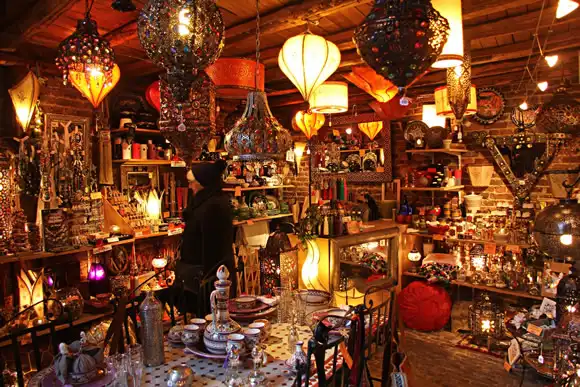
(436, 362)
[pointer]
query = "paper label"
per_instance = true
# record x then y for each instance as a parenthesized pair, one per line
(178, 164)
(534, 329)
(290, 156)
(438, 237)
(335, 133)
(238, 191)
(175, 231)
(382, 242)
(513, 354)
(96, 195)
(362, 152)
(548, 308)
(138, 233)
(380, 169)
(507, 366)
(102, 249)
(113, 239)
(489, 248)
(166, 214)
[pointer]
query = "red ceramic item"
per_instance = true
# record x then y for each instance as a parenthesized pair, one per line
(153, 95)
(424, 307)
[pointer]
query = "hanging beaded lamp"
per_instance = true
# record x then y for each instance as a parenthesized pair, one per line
(257, 134)
(561, 114)
(183, 37)
(401, 39)
(85, 51)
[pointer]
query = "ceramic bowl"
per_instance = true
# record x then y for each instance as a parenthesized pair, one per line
(175, 333)
(264, 332)
(200, 322)
(236, 340)
(245, 302)
(252, 336)
(190, 335)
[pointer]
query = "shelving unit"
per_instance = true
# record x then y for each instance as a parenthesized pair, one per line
(516, 293)
(242, 189)
(432, 152)
(148, 132)
(264, 219)
(142, 162)
(481, 241)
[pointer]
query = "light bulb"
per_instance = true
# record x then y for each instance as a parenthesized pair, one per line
(565, 7)
(184, 21)
(95, 72)
(182, 30)
(566, 239)
(348, 131)
(524, 105)
(543, 86)
(551, 60)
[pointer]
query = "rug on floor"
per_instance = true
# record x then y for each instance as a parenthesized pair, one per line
(468, 342)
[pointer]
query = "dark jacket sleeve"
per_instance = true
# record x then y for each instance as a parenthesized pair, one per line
(217, 233)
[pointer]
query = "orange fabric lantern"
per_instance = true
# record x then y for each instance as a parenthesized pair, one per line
(308, 123)
(368, 80)
(95, 88)
(371, 129)
(391, 110)
(234, 77)
(24, 96)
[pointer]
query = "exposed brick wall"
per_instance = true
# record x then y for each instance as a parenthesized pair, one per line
(57, 98)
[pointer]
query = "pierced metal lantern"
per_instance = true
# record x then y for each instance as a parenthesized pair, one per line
(486, 319)
(557, 230)
(188, 126)
(86, 51)
(401, 39)
(182, 36)
(258, 134)
(278, 263)
(459, 87)
(561, 114)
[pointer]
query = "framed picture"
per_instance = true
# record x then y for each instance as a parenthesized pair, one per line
(60, 127)
(490, 105)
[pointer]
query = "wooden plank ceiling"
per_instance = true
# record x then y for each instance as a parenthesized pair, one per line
(500, 34)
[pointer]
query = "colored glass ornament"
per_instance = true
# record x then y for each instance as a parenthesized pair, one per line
(401, 39)
(95, 87)
(308, 122)
(188, 126)
(24, 96)
(183, 37)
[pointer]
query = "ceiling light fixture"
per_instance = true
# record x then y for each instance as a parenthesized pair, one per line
(566, 7)
(543, 86)
(452, 54)
(551, 60)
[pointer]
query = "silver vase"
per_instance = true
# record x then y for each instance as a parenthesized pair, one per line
(151, 314)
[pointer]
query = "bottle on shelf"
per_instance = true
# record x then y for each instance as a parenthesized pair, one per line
(126, 149)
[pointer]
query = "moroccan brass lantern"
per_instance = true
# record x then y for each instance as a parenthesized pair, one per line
(561, 114)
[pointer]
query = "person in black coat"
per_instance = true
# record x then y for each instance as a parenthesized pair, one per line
(208, 235)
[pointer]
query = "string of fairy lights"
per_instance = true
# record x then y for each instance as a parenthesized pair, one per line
(565, 7)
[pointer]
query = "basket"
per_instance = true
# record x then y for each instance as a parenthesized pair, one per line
(480, 175)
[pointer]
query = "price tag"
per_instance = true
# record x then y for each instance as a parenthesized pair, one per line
(534, 329)
(175, 231)
(238, 191)
(290, 156)
(346, 219)
(382, 243)
(166, 214)
(380, 169)
(96, 195)
(514, 354)
(362, 152)
(102, 249)
(250, 222)
(507, 366)
(138, 233)
(438, 237)
(113, 239)
(335, 133)
(513, 248)
(489, 248)
(178, 164)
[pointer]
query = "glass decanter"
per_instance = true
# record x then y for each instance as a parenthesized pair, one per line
(257, 377)
(233, 374)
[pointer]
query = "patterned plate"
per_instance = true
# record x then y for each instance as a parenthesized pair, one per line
(47, 378)
(259, 307)
(253, 316)
(415, 130)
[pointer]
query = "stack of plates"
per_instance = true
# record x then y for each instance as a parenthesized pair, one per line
(241, 309)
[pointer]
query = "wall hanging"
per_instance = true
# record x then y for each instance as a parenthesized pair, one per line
(490, 105)
(24, 96)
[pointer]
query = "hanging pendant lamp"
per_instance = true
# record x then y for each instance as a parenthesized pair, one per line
(183, 37)
(257, 134)
(308, 60)
(96, 87)
(561, 114)
(400, 40)
(371, 129)
(86, 52)
(330, 98)
(452, 54)
(308, 122)
(24, 96)
(459, 97)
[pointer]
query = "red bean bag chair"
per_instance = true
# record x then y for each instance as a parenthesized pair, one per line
(424, 307)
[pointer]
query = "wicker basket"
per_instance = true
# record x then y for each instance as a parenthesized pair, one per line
(480, 175)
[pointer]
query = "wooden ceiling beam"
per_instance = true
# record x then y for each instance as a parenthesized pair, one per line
(125, 33)
(40, 16)
(474, 8)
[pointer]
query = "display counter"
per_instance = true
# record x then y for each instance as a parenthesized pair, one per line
(346, 266)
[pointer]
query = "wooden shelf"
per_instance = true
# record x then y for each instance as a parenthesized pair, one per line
(150, 132)
(142, 162)
(427, 189)
(264, 219)
(481, 241)
(358, 150)
(453, 152)
(516, 293)
(258, 188)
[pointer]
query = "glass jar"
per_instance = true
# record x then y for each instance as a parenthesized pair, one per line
(72, 303)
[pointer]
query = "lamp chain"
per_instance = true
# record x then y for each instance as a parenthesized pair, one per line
(257, 44)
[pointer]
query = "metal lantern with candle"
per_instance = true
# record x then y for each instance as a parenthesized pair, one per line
(414, 256)
(486, 320)
(278, 263)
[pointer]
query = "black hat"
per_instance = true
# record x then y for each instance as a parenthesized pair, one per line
(209, 174)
